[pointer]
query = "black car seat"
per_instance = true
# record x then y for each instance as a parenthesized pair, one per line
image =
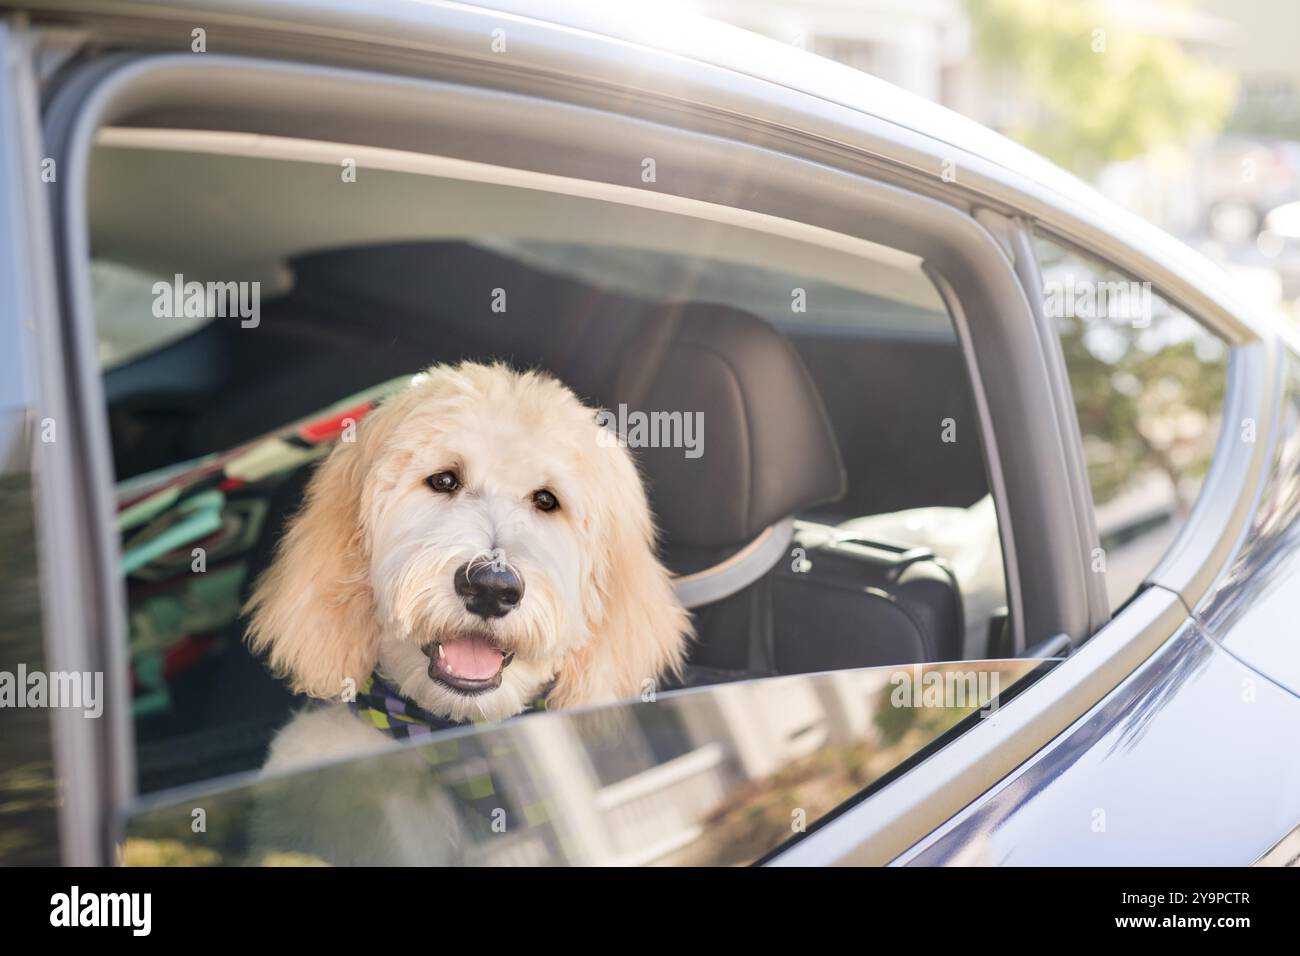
(728, 515)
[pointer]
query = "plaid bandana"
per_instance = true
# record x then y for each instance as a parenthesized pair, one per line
(380, 705)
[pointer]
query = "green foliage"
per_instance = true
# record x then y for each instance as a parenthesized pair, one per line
(1146, 411)
(1102, 92)
(1147, 393)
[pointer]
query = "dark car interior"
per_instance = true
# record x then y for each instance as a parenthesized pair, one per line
(809, 424)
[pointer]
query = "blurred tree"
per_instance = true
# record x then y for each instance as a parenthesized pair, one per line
(1146, 410)
(1103, 92)
(1148, 393)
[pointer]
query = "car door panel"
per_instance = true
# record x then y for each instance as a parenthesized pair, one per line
(1155, 774)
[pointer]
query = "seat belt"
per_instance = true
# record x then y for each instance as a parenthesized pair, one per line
(738, 571)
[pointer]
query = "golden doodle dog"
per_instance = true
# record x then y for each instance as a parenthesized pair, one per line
(477, 545)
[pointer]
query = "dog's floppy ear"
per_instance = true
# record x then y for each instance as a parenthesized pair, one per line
(639, 631)
(312, 611)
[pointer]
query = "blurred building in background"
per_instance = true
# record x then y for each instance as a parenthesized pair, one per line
(1263, 55)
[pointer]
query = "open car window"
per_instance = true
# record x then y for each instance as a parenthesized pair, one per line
(797, 402)
(324, 299)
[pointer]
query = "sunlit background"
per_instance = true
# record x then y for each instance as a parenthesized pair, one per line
(1184, 111)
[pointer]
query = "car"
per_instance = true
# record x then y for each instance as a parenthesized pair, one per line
(988, 527)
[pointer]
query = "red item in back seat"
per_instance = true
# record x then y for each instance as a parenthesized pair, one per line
(185, 654)
(327, 429)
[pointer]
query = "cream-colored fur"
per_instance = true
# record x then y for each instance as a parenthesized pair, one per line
(364, 575)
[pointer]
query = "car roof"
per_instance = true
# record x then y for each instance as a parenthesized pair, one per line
(660, 26)
(673, 54)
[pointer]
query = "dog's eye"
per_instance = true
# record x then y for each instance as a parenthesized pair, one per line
(545, 501)
(444, 482)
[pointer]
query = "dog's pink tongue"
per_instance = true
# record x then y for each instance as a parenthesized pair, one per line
(471, 657)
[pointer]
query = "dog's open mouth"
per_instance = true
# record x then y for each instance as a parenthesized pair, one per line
(469, 663)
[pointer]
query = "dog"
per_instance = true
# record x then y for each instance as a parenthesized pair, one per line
(476, 545)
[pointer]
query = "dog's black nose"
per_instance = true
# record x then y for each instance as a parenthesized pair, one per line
(489, 590)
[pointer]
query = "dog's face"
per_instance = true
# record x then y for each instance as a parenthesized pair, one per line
(480, 511)
(481, 541)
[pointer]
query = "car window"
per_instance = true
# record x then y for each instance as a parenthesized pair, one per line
(28, 787)
(800, 415)
(1148, 383)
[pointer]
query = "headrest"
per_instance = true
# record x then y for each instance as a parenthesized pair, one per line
(764, 450)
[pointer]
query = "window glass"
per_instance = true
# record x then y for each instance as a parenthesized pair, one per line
(625, 742)
(29, 792)
(1148, 384)
(835, 420)
(746, 773)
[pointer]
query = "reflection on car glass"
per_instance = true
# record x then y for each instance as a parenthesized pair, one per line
(713, 776)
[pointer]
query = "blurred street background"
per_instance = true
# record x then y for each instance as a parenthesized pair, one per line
(1186, 112)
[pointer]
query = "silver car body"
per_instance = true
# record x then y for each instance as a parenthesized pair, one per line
(1148, 720)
